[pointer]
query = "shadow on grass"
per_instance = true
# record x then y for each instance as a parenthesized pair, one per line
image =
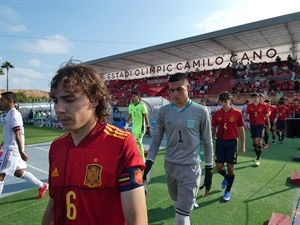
(18, 200)
(158, 180)
(20, 186)
(158, 215)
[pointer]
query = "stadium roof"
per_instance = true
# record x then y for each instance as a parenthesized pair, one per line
(267, 33)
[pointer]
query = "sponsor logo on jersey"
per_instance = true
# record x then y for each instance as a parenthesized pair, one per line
(231, 119)
(93, 175)
(55, 172)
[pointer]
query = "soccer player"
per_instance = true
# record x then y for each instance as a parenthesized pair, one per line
(283, 114)
(138, 113)
(266, 134)
(13, 158)
(183, 121)
(296, 108)
(230, 124)
(258, 116)
(95, 172)
(273, 119)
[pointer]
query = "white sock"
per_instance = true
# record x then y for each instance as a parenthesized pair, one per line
(29, 177)
(182, 220)
(1, 186)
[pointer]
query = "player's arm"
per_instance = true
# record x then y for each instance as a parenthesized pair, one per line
(241, 131)
(134, 206)
(268, 121)
(48, 218)
(19, 141)
(213, 131)
(128, 121)
(206, 130)
(148, 132)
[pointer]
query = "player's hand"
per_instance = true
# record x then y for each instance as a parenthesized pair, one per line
(24, 156)
(126, 126)
(207, 179)
(149, 164)
(148, 131)
(242, 150)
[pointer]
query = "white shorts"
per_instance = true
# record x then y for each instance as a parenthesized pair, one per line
(10, 161)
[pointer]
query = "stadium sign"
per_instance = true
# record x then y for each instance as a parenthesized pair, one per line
(209, 63)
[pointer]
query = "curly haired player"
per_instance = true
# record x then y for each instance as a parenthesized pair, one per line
(95, 173)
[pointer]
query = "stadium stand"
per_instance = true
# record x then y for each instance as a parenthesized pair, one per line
(241, 82)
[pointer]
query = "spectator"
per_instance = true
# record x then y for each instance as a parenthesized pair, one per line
(296, 86)
(116, 112)
(29, 118)
(278, 61)
(279, 95)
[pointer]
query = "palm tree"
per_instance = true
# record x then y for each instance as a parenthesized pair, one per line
(1, 72)
(7, 65)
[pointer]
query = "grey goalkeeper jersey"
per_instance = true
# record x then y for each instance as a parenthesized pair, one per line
(183, 129)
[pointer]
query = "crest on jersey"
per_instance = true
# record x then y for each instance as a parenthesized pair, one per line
(93, 175)
(190, 123)
(231, 119)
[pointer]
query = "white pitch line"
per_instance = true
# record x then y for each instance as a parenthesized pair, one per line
(43, 171)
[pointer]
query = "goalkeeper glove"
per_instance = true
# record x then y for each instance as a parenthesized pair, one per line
(207, 179)
(149, 164)
(126, 126)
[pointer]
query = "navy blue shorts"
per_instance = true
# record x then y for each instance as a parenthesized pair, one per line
(280, 125)
(257, 131)
(226, 151)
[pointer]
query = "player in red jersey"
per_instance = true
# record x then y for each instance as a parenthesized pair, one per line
(266, 136)
(230, 124)
(259, 116)
(95, 173)
(283, 114)
(273, 119)
(296, 108)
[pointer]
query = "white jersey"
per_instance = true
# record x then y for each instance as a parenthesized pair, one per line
(183, 129)
(13, 121)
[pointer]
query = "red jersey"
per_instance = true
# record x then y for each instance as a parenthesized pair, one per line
(84, 180)
(273, 114)
(296, 109)
(227, 123)
(283, 113)
(288, 106)
(257, 113)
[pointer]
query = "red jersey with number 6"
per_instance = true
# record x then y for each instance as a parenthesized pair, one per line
(84, 180)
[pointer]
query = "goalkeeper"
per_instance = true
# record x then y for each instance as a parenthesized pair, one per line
(138, 113)
(183, 121)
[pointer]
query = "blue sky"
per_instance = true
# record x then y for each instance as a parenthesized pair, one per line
(37, 37)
